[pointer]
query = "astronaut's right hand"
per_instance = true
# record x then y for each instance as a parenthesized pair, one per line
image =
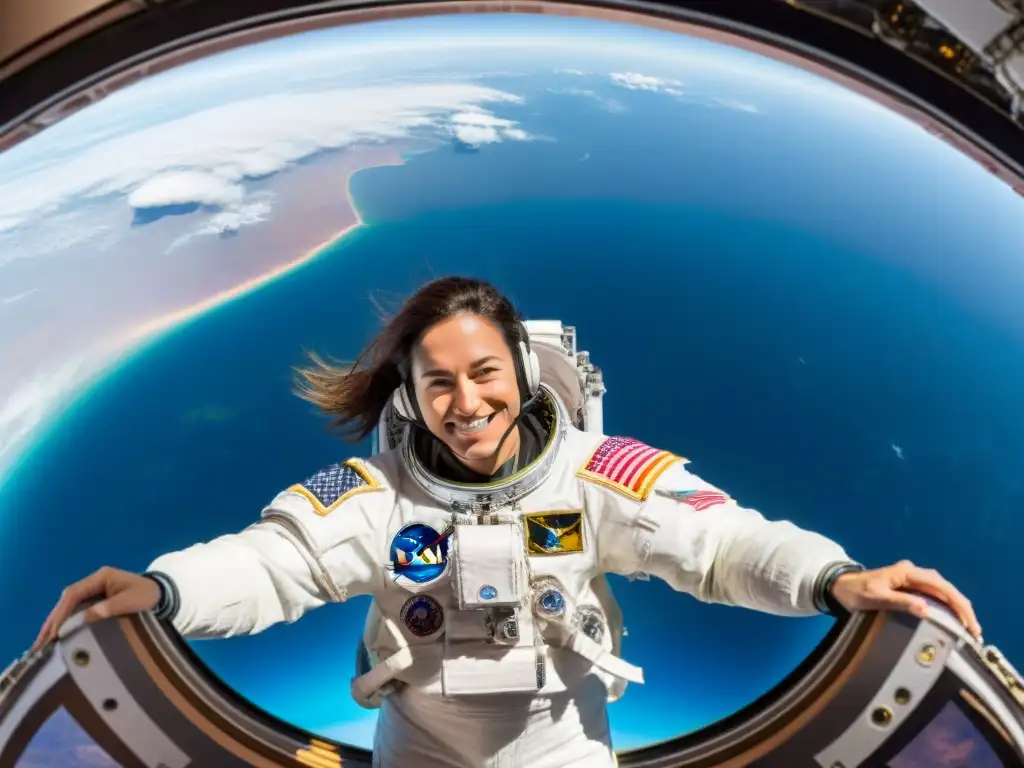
(122, 592)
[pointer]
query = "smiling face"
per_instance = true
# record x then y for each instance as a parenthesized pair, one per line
(467, 390)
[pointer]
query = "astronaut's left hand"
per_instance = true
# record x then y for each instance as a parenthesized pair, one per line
(890, 588)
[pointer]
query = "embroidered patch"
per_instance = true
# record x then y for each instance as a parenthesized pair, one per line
(588, 620)
(330, 487)
(422, 615)
(554, 533)
(419, 554)
(627, 466)
(548, 598)
(699, 500)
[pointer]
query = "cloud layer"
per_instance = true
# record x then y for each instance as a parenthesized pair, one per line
(607, 104)
(81, 199)
(205, 157)
(636, 81)
(28, 406)
(181, 187)
(480, 127)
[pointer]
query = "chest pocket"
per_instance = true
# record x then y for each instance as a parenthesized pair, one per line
(519, 584)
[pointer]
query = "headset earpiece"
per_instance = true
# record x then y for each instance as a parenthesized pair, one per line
(400, 404)
(528, 365)
(403, 401)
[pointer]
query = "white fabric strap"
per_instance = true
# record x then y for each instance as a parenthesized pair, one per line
(370, 686)
(367, 689)
(366, 686)
(604, 660)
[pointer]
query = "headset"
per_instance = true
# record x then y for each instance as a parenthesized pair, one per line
(524, 360)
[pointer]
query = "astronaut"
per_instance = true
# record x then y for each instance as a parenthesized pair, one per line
(484, 539)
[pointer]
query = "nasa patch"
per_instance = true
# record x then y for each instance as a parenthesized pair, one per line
(329, 488)
(422, 615)
(419, 554)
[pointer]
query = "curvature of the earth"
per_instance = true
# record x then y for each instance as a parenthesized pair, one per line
(812, 299)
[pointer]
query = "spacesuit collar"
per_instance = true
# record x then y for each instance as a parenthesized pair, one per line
(534, 427)
(438, 459)
(503, 491)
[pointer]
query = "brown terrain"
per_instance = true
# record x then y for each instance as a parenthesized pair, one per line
(100, 301)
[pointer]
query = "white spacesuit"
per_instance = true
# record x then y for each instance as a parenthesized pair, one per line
(493, 638)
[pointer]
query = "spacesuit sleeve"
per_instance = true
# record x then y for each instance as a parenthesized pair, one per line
(699, 540)
(313, 545)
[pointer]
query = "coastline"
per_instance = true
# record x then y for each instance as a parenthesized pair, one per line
(151, 329)
(111, 356)
(111, 353)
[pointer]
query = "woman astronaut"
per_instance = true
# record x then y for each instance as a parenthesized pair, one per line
(484, 540)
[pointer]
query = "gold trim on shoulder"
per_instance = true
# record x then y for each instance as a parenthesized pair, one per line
(626, 466)
(370, 484)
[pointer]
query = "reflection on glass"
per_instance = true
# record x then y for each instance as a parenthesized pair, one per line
(63, 742)
(948, 741)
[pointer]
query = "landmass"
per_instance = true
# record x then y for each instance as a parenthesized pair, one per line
(312, 207)
(156, 271)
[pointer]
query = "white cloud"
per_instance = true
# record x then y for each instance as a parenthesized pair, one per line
(637, 82)
(235, 218)
(738, 106)
(480, 127)
(35, 400)
(634, 81)
(181, 187)
(205, 156)
(17, 296)
(610, 105)
(68, 229)
(227, 221)
(574, 92)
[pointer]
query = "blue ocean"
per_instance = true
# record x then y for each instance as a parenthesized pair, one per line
(814, 376)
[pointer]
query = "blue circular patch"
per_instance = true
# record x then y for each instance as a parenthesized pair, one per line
(419, 553)
(422, 615)
(488, 593)
(551, 602)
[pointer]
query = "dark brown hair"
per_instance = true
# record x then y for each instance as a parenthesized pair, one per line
(354, 396)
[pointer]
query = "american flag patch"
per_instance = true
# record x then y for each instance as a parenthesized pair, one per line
(699, 500)
(627, 466)
(328, 488)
